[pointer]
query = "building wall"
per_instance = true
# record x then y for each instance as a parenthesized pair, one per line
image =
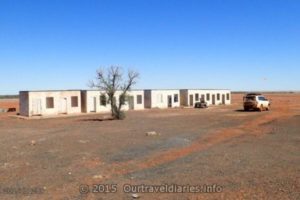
(184, 97)
(135, 94)
(34, 102)
(61, 103)
(159, 98)
(24, 103)
(91, 101)
(185, 94)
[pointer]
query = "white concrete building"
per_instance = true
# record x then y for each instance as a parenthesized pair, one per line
(43, 103)
(162, 98)
(136, 100)
(95, 101)
(188, 97)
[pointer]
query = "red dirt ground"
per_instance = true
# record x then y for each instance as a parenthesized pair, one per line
(252, 155)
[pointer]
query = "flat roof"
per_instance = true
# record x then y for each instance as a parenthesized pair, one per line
(205, 89)
(117, 90)
(187, 89)
(72, 90)
(50, 90)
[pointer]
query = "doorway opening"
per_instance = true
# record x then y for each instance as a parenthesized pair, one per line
(131, 102)
(93, 103)
(36, 107)
(63, 106)
(191, 100)
(223, 99)
(170, 101)
(214, 99)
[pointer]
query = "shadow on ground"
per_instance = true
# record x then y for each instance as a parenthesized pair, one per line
(96, 119)
(242, 110)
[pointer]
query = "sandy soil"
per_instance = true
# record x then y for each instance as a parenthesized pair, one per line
(249, 155)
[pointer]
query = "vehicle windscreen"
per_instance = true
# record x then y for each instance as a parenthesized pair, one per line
(262, 98)
(250, 98)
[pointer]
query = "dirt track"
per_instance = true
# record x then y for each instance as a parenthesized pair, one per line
(252, 155)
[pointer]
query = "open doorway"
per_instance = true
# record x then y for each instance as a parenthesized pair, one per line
(130, 102)
(214, 99)
(170, 101)
(223, 99)
(191, 100)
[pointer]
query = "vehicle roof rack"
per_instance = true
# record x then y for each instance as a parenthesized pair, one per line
(253, 94)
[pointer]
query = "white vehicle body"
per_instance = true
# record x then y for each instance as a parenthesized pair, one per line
(254, 101)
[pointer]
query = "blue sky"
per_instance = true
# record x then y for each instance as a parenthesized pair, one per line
(239, 45)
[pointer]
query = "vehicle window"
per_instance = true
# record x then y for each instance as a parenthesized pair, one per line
(251, 98)
(261, 98)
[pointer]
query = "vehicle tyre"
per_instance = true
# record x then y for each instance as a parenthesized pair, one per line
(268, 108)
(246, 109)
(261, 108)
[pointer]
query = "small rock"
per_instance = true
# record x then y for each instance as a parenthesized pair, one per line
(33, 142)
(135, 196)
(98, 177)
(5, 165)
(83, 141)
(70, 173)
(152, 133)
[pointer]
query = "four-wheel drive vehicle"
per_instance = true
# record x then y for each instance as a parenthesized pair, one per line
(201, 104)
(256, 101)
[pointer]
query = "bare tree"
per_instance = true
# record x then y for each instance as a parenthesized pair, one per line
(110, 80)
